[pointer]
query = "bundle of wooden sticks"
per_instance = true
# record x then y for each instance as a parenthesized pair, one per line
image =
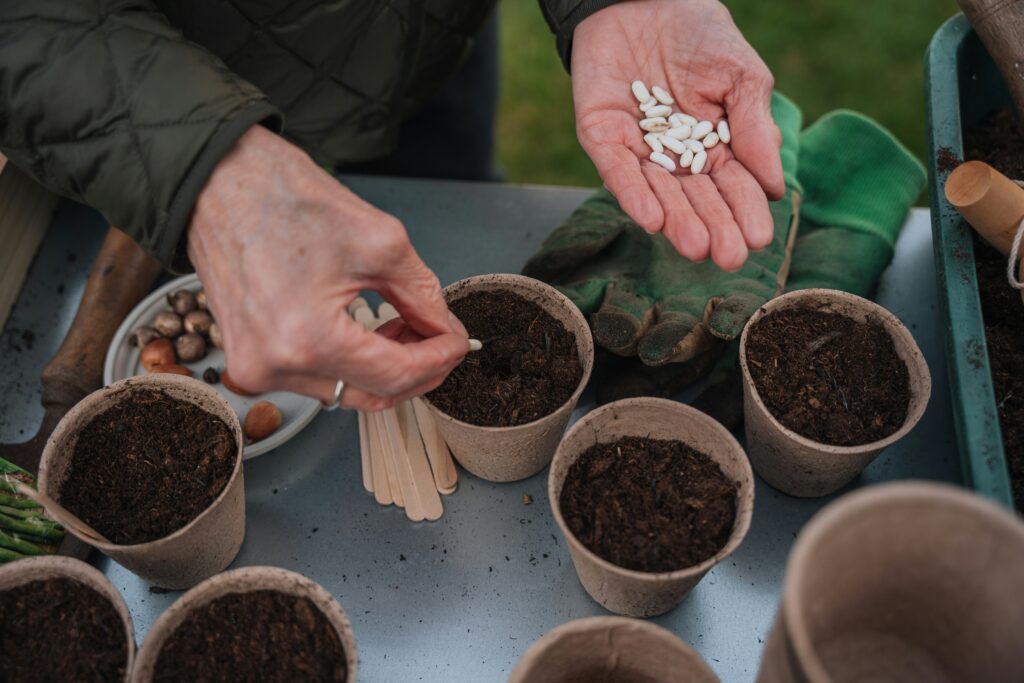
(405, 460)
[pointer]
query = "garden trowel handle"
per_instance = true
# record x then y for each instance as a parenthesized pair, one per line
(1000, 25)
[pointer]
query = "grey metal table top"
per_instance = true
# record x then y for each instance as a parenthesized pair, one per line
(462, 598)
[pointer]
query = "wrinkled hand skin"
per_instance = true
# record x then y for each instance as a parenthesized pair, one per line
(693, 48)
(282, 249)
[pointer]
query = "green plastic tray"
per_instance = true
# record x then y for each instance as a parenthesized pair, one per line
(962, 87)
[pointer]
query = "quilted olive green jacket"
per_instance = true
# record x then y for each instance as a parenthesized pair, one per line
(128, 105)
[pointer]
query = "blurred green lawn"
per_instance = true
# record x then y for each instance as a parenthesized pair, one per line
(825, 54)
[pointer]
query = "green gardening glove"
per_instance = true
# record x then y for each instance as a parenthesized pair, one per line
(644, 299)
(859, 183)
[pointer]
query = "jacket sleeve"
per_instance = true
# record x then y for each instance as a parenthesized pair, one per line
(105, 102)
(563, 16)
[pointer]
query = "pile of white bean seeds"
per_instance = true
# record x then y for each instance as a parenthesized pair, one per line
(676, 131)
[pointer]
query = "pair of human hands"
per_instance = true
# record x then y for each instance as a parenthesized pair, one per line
(282, 248)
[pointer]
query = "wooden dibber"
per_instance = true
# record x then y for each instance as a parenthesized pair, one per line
(992, 203)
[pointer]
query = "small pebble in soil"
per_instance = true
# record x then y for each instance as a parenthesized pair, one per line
(60, 630)
(261, 635)
(651, 505)
(528, 366)
(828, 377)
(211, 376)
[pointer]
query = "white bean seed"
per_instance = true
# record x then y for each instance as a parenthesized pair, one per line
(640, 91)
(653, 142)
(672, 144)
(687, 119)
(660, 110)
(655, 124)
(680, 133)
(648, 104)
(694, 145)
(723, 131)
(664, 161)
(710, 140)
(701, 130)
(685, 159)
(699, 159)
(662, 95)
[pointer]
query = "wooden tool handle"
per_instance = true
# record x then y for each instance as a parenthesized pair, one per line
(121, 275)
(992, 203)
(1000, 25)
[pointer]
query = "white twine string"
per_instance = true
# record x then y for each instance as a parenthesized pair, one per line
(1011, 266)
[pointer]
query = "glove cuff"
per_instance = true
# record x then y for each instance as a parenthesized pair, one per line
(857, 175)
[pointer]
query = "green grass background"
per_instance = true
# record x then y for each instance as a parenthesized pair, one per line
(825, 54)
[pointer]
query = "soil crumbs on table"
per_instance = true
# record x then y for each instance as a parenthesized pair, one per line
(60, 630)
(1000, 143)
(262, 636)
(651, 505)
(148, 466)
(527, 369)
(828, 377)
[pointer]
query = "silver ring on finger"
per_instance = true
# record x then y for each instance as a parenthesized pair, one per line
(339, 389)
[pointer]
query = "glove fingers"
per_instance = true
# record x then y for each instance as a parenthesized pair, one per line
(621, 320)
(586, 294)
(679, 333)
(732, 313)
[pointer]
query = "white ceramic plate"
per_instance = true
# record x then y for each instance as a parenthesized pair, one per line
(123, 361)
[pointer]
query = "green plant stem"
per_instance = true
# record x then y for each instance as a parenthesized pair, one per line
(39, 527)
(10, 555)
(23, 513)
(17, 500)
(18, 544)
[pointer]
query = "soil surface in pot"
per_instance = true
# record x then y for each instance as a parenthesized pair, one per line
(262, 636)
(652, 505)
(828, 377)
(60, 630)
(527, 369)
(148, 466)
(1000, 142)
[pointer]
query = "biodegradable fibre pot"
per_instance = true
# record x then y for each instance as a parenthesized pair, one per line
(612, 649)
(512, 453)
(906, 582)
(800, 466)
(201, 548)
(627, 591)
(48, 567)
(245, 580)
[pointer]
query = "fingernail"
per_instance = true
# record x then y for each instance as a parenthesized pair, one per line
(457, 325)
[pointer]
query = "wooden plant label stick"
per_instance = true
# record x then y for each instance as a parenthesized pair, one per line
(417, 454)
(365, 458)
(395, 448)
(387, 460)
(382, 491)
(386, 312)
(446, 477)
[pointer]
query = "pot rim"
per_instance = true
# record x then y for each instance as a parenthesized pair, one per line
(892, 325)
(254, 578)
(662, 635)
(156, 380)
(76, 570)
(854, 505)
(741, 524)
(586, 359)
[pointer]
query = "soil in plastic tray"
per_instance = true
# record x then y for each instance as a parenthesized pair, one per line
(262, 636)
(1001, 143)
(148, 466)
(60, 630)
(828, 377)
(526, 370)
(651, 505)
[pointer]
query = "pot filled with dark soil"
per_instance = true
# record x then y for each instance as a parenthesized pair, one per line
(62, 620)
(503, 410)
(830, 380)
(154, 464)
(650, 494)
(253, 624)
(612, 650)
(908, 581)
